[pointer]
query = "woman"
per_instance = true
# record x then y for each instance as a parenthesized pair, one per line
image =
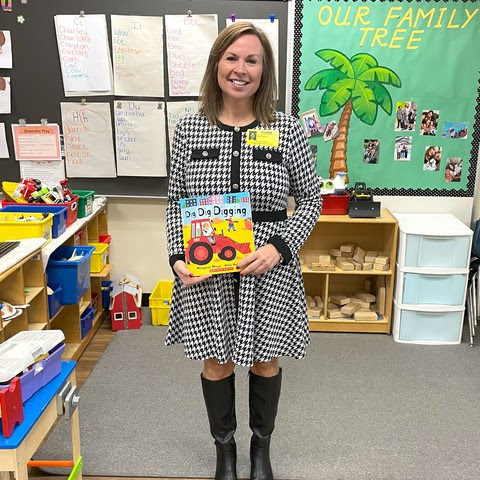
(252, 317)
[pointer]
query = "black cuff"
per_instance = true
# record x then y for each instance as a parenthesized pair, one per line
(173, 259)
(282, 248)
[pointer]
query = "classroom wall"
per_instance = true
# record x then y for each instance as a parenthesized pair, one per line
(139, 246)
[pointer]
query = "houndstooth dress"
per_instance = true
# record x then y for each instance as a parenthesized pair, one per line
(251, 318)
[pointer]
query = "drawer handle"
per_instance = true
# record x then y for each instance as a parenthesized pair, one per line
(430, 314)
(437, 238)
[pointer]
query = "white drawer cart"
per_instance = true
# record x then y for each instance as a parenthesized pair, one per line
(431, 279)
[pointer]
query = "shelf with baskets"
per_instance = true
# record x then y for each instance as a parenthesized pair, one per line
(371, 234)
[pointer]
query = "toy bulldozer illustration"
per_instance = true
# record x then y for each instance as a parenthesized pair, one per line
(204, 242)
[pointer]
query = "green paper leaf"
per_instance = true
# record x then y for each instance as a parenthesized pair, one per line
(336, 96)
(323, 79)
(381, 75)
(382, 97)
(362, 62)
(363, 103)
(337, 60)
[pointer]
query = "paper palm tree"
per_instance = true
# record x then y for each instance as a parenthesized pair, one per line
(355, 84)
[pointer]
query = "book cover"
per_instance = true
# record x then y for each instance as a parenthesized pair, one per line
(217, 232)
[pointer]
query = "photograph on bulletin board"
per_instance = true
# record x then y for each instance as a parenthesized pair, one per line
(403, 75)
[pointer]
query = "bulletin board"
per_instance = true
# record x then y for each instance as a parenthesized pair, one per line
(36, 81)
(389, 92)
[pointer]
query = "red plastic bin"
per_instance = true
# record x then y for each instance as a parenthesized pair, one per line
(72, 205)
(335, 204)
(102, 238)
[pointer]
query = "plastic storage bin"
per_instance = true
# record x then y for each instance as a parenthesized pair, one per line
(106, 289)
(54, 304)
(430, 288)
(71, 206)
(86, 321)
(159, 302)
(104, 238)
(431, 325)
(74, 276)
(95, 297)
(12, 228)
(433, 240)
(85, 202)
(99, 257)
(335, 204)
(59, 224)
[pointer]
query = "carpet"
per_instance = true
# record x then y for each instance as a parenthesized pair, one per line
(359, 406)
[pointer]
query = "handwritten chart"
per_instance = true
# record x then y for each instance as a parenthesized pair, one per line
(138, 55)
(84, 53)
(175, 112)
(189, 39)
(87, 133)
(140, 138)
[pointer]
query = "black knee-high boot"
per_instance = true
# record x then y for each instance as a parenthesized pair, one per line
(219, 398)
(264, 395)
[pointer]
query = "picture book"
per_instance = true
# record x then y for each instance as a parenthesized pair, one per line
(217, 232)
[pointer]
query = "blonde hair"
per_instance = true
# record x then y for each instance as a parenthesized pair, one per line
(211, 100)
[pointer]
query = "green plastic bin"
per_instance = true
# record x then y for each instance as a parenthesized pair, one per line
(85, 202)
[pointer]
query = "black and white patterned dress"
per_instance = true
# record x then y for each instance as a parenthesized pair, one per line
(251, 318)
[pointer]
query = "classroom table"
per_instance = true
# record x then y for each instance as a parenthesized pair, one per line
(40, 414)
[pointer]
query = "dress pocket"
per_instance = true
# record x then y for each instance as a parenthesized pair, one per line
(265, 155)
(205, 153)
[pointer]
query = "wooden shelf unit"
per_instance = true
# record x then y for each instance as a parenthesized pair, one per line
(26, 283)
(331, 231)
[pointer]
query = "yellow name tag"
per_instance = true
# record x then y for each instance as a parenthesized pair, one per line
(262, 138)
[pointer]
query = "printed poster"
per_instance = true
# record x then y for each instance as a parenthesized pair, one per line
(189, 39)
(87, 134)
(5, 95)
(4, 153)
(50, 172)
(137, 44)
(140, 138)
(36, 142)
(5, 49)
(84, 54)
(378, 69)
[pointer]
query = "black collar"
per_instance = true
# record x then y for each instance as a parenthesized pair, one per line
(243, 128)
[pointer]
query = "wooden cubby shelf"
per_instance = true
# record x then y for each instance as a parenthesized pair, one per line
(371, 234)
(26, 284)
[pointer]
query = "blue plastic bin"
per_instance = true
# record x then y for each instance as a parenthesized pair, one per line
(86, 321)
(74, 276)
(106, 289)
(59, 215)
(54, 304)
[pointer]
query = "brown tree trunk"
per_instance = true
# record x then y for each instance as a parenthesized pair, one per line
(338, 157)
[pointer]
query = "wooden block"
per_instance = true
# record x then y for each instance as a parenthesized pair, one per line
(367, 266)
(368, 285)
(303, 260)
(332, 306)
(356, 265)
(363, 309)
(382, 259)
(381, 281)
(365, 316)
(350, 308)
(318, 301)
(314, 312)
(339, 299)
(347, 247)
(359, 255)
(324, 259)
(365, 296)
(311, 258)
(373, 306)
(370, 256)
(344, 264)
(310, 302)
(359, 302)
(334, 314)
(335, 252)
(346, 254)
(381, 266)
(381, 299)
(323, 267)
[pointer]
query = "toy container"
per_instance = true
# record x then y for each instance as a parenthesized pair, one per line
(85, 202)
(106, 289)
(99, 257)
(54, 304)
(86, 321)
(74, 276)
(335, 204)
(60, 214)
(13, 228)
(103, 238)
(159, 302)
(21, 353)
(71, 206)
